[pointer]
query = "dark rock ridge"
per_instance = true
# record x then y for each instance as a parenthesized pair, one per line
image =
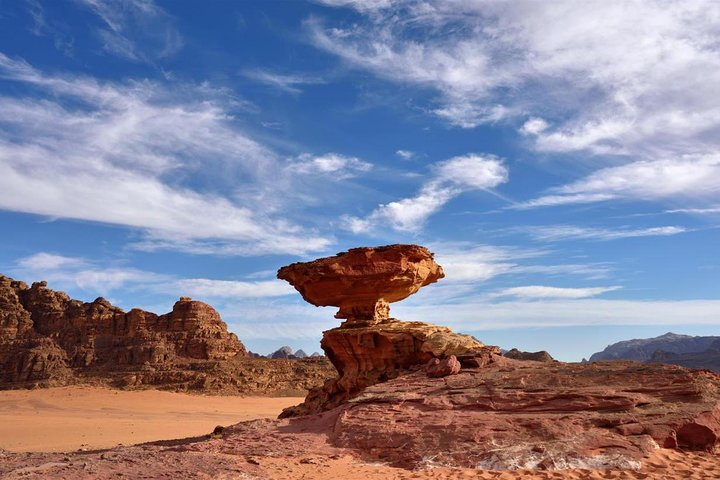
(643, 349)
(47, 338)
(541, 356)
(707, 359)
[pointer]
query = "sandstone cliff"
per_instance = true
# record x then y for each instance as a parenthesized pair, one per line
(47, 338)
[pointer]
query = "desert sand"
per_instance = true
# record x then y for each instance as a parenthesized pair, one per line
(663, 465)
(70, 418)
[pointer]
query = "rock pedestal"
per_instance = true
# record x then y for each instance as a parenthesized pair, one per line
(369, 347)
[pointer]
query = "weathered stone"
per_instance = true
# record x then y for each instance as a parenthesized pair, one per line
(541, 356)
(437, 368)
(362, 282)
(47, 338)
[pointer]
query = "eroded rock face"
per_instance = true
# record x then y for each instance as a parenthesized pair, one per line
(47, 338)
(370, 347)
(366, 355)
(517, 414)
(362, 282)
(508, 415)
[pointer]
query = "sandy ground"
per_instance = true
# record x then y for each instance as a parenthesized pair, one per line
(65, 419)
(69, 418)
(663, 465)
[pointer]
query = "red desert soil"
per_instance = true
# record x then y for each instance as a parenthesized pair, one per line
(69, 418)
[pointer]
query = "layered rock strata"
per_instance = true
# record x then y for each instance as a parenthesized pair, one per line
(524, 414)
(362, 282)
(369, 347)
(47, 338)
(508, 415)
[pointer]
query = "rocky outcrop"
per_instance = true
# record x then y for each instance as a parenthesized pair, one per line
(362, 282)
(644, 348)
(47, 338)
(370, 347)
(541, 356)
(517, 414)
(593, 418)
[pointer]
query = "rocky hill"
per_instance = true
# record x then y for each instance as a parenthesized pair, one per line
(708, 359)
(644, 349)
(47, 338)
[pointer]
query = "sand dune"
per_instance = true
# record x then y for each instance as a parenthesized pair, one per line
(69, 418)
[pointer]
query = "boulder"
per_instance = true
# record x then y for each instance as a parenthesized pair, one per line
(437, 368)
(362, 282)
(541, 356)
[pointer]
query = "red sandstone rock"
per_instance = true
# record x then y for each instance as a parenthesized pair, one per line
(363, 281)
(518, 414)
(367, 354)
(370, 347)
(437, 368)
(507, 415)
(47, 338)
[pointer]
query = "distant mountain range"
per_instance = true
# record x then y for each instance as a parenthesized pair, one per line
(287, 353)
(683, 350)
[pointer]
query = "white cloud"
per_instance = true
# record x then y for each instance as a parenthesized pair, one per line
(698, 211)
(206, 288)
(691, 176)
(75, 272)
(136, 30)
(64, 272)
(553, 233)
(126, 153)
(482, 315)
(405, 154)
(335, 164)
(449, 179)
(43, 260)
(289, 83)
(534, 126)
(641, 85)
(468, 267)
(543, 292)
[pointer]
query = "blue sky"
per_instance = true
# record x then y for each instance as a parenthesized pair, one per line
(560, 159)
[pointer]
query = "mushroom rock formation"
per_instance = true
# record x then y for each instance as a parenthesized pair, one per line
(370, 347)
(362, 282)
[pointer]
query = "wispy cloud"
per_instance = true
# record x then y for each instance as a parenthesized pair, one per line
(544, 292)
(698, 211)
(123, 153)
(696, 176)
(469, 269)
(482, 315)
(207, 288)
(335, 164)
(553, 233)
(405, 154)
(448, 179)
(640, 86)
(81, 273)
(46, 27)
(289, 83)
(137, 30)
